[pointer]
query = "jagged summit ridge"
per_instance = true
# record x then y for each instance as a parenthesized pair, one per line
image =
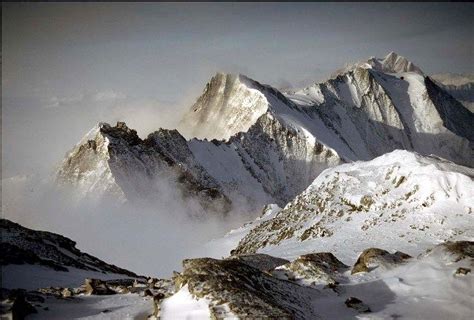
(394, 63)
(391, 63)
(273, 144)
(113, 160)
(373, 112)
(269, 163)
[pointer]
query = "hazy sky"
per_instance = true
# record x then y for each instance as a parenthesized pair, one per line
(69, 65)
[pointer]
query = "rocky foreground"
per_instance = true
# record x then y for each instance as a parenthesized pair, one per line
(256, 286)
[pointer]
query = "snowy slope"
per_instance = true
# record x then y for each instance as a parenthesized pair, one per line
(435, 285)
(401, 201)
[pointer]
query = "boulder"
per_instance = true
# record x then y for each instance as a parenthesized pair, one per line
(66, 293)
(157, 298)
(372, 258)
(357, 304)
(462, 271)
(314, 268)
(97, 287)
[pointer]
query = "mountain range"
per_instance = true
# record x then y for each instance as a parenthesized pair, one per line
(360, 190)
(256, 145)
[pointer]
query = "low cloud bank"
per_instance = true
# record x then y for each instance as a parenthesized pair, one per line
(150, 237)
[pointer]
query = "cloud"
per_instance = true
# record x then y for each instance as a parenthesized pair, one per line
(56, 101)
(103, 97)
(148, 237)
(108, 95)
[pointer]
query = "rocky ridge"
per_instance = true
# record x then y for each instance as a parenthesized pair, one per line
(23, 246)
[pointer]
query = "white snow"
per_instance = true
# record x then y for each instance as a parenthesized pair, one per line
(440, 207)
(183, 306)
(119, 306)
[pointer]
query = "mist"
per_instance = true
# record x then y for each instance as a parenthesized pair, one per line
(150, 237)
(37, 133)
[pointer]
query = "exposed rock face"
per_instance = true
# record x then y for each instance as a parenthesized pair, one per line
(454, 251)
(244, 290)
(372, 113)
(399, 195)
(373, 257)
(12, 254)
(21, 245)
(314, 268)
(451, 111)
(97, 287)
(319, 282)
(462, 271)
(121, 164)
(214, 115)
(270, 163)
(14, 304)
(357, 304)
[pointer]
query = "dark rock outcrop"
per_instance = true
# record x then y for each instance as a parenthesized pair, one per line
(245, 290)
(21, 245)
(372, 258)
(97, 287)
(357, 304)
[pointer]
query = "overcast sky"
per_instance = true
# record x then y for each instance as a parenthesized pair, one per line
(61, 62)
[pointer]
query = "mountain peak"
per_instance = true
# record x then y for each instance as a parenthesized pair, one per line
(391, 63)
(395, 63)
(230, 103)
(392, 55)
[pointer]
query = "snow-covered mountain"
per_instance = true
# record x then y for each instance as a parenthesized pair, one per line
(275, 144)
(373, 112)
(115, 161)
(399, 201)
(391, 63)
(33, 259)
